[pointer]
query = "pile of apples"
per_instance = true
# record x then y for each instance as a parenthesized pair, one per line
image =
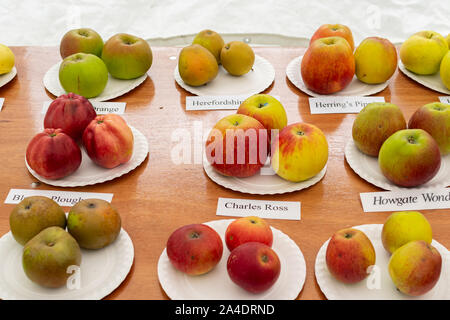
(69, 121)
(252, 264)
(426, 53)
(199, 62)
(406, 157)
(39, 224)
(7, 59)
(330, 62)
(414, 265)
(87, 60)
(240, 144)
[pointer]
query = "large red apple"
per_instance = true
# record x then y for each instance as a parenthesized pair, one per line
(70, 112)
(194, 249)
(53, 154)
(349, 253)
(237, 146)
(328, 65)
(248, 229)
(254, 267)
(334, 30)
(108, 140)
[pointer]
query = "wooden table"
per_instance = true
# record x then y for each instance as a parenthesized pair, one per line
(160, 196)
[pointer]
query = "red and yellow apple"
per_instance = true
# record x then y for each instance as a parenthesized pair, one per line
(375, 60)
(374, 124)
(83, 40)
(334, 30)
(194, 249)
(254, 267)
(237, 146)
(415, 267)
(248, 229)
(300, 152)
(328, 65)
(349, 253)
(108, 140)
(266, 109)
(409, 157)
(434, 118)
(53, 154)
(71, 113)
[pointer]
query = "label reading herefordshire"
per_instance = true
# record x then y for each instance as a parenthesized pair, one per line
(285, 210)
(445, 99)
(340, 104)
(100, 107)
(406, 200)
(199, 103)
(63, 198)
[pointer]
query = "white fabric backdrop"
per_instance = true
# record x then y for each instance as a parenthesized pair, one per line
(34, 22)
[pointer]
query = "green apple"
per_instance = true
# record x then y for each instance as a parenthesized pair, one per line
(403, 227)
(445, 70)
(237, 58)
(127, 56)
(374, 124)
(83, 40)
(211, 40)
(266, 109)
(423, 51)
(84, 74)
(409, 157)
(434, 118)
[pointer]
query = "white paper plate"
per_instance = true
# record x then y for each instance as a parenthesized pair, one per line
(367, 168)
(114, 87)
(217, 285)
(354, 88)
(264, 182)
(102, 271)
(433, 82)
(7, 77)
(255, 81)
(89, 173)
(336, 290)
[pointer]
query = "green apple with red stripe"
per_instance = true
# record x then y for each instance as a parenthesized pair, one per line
(300, 152)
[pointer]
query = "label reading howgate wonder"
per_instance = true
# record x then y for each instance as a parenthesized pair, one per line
(100, 107)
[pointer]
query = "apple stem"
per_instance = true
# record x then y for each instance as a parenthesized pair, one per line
(411, 140)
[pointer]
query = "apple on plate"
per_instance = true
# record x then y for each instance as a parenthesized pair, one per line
(423, 51)
(374, 124)
(434, 118)
(266, 109)
(127, 56)
(248, 229)
(254, 267)
(237, 146)
(237, 58)
(211, 40)
(334, 30)
(108, 140)
(300, 152)
(328, 65)
(7, 59)
(53, 154)
(197, 65)
(409, 157)
(83, 40)
(375, 60)
(444, 70)
(349, 254)
(194, 249)
(415, 267)
(84, 74)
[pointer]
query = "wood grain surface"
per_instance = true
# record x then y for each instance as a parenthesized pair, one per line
(160, 196)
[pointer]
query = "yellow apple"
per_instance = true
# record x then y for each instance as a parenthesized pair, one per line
(448, 40)
(423, 51)
(445, 70)
(375, 60)
(403, 227)
(6, 59)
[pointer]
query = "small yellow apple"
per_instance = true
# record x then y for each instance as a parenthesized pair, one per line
(403, 227)
(6, 59)
(445, 70)
(448, 40)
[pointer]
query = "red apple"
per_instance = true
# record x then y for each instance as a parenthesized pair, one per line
(349, 253)
(194, 249)
(237, 146)
(108, 141)
(70, 112)
(53, 154)
(334, 30)
(254, 267)
(328, 65)
(248, 229)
